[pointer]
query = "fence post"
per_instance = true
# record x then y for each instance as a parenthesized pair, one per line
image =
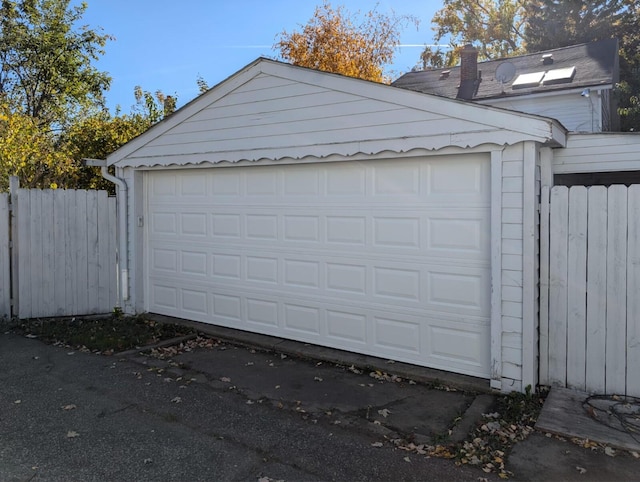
(5, 258)
(14, 244)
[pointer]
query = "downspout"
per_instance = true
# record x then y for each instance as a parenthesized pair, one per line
(121, 199)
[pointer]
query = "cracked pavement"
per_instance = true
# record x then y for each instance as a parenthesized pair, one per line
(246, 415)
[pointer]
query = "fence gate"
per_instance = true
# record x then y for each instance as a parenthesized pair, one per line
(590, 288)
(63, 252)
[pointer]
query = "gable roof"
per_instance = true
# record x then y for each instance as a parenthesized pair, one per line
(273, 110)
(596, 64)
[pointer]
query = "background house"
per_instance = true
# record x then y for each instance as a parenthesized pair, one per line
(571, 84)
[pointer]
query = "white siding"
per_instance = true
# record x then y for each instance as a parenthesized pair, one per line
(575, 112)
(277, 111)
(605, 152)
(512, 268)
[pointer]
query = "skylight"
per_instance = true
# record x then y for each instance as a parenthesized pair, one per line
(559, 76)
(550, 77)
(527, 80)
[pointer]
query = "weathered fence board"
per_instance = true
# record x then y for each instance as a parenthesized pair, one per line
(596, 288)
(616, 289)
(577, 288)
(5, 259)
(559, 221)
(593, 317)
(65, 261)
(633, 288)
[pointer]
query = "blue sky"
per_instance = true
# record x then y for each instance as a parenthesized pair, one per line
(167, 44)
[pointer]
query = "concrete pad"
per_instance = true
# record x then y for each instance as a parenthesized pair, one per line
(567, 413)
(320, 388)
(542, 458)
(332, 355)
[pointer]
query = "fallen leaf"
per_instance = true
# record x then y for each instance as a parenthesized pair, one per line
(384, 412)
(147, 461)
(17, 402)
(176, 400)
(376, 444)
(317, 379)
(407, 459)
(582, 470)
(71, 406)
(225, 379)
(72, 434)
(609, 451)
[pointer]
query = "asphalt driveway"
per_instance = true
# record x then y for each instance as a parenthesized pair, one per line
(228, 412)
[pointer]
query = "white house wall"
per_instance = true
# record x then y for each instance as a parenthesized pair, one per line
(577, 113)
(511, 376)
(604, 152)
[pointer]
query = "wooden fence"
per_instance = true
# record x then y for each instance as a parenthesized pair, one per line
(63, 253)
(590, 288)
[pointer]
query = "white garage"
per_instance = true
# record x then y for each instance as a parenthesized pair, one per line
(339, 212)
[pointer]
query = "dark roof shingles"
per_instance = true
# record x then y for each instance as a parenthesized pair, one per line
(594, 62)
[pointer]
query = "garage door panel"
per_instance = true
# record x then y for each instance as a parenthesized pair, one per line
(388, 258)
(262, 311)
(303, 318)
(431, 285)
(469, 349)
(347, 326)
(400, 334)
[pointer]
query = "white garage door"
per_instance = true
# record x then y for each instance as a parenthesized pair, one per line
(388, 258)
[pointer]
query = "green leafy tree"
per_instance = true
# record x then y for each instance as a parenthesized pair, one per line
(559, 23)
(153, 107)
(47, 70)
(95, 137)
(30, 153)
(98, 135)
(495, 27)
(335, 40)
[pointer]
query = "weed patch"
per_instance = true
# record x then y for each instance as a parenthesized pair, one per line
(106, 335)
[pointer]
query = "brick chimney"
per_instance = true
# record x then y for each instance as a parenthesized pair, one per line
(469, 75)
(468, 63)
